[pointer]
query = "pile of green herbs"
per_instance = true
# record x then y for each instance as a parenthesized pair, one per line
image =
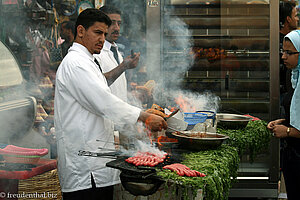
(253, 139)
(219, 166)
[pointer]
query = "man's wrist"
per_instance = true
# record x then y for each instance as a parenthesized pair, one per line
(288, 131)
(143, 116)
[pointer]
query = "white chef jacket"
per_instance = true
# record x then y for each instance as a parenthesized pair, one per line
(108, 62)
(84, 108)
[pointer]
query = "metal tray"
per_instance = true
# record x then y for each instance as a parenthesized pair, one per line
(210, 141)
(232, 121)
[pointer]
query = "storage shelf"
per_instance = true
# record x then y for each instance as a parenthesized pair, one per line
(217, 5)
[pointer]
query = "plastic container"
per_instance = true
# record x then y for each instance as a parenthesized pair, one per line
(211, 116)
(194, 118)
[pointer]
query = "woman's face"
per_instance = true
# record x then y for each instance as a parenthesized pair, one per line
(290, 59)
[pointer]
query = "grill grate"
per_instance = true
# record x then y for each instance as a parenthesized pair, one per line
(133, 170)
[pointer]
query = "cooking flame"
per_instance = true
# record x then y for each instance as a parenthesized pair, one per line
(158, 140)
(184, 104)
(165, 139)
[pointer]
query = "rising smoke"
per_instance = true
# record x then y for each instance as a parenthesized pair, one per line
(177, 59)
(174, 43)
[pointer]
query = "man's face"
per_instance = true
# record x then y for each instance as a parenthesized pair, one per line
(114, 29)
(293, 19)
(93, 38)
(290, 60)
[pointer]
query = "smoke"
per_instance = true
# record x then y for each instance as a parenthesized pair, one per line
(21, 66)
(170, 56)
(192, 101)
(177, 59)
(16, 111)
(167, 55)
(176, 47)
(142, 146)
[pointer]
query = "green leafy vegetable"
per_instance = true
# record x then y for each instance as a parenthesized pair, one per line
(221, 165)
(218, 165)
(254, 138)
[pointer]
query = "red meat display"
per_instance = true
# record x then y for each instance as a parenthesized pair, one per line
(146, 159)
(183, 170)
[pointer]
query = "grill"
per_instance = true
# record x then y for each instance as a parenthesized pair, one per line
(126, 167)
(140, 180)
(121, 164)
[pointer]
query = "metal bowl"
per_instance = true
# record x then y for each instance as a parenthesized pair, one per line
(208, 141)
(232, 121)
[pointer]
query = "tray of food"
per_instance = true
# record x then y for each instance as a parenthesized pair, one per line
(199, 140)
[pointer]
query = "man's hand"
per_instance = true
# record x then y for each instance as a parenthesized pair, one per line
(272, 124)
(128, 63)
(153, 122)
(131, 62)
(279, 131)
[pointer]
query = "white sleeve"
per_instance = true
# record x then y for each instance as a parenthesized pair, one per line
(94, 95)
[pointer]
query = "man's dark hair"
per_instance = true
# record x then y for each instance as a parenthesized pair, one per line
(110, 10)
(285, 10)
(70, 25)
(89, 16)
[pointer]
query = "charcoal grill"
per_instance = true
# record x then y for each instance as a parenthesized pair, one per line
(137, 180)
(141, 180)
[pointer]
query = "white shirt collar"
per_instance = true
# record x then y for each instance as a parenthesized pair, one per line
(76, 46)
(107, 45)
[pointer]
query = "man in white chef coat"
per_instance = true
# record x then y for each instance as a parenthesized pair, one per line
(85, 110)
(110, 57)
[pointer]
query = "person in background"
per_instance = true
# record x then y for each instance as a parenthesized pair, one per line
(288, 21)
(288, 18)
(85, 110)
(110, 57)
(288, 129)
(67, 30)
(123, 46)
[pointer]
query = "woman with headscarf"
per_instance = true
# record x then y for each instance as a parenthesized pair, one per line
(289, 128)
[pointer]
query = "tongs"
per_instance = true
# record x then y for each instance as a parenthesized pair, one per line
(95, 154)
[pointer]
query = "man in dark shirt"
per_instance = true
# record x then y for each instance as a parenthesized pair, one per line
(288, 22)
(67, 30)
